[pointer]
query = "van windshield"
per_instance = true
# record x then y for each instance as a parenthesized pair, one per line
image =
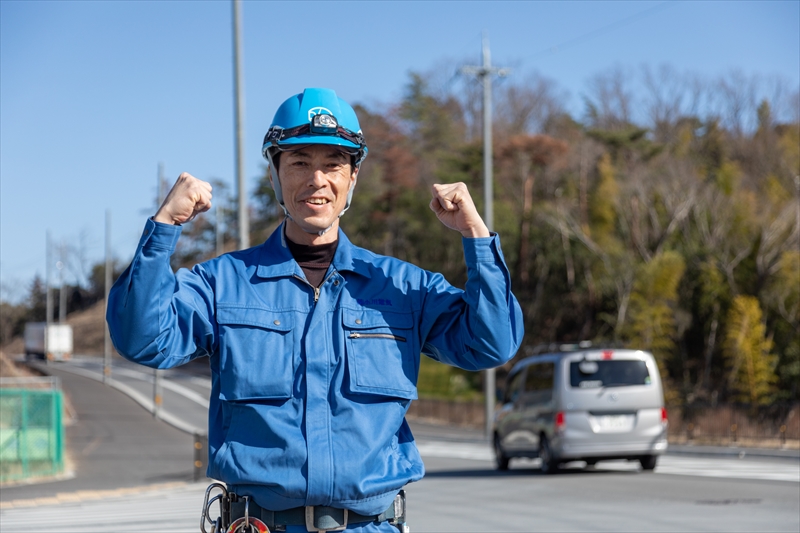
(619, 373)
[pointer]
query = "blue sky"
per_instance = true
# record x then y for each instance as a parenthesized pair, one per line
(94, 95)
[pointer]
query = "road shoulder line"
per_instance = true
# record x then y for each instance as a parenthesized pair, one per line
(135, 395)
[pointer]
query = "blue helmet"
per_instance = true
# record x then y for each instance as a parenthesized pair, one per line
(316, 116)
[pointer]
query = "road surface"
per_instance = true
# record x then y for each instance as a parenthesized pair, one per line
(462, 492)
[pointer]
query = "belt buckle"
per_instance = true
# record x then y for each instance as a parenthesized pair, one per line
(310, 526)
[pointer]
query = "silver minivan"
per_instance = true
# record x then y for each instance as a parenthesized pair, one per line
(582, 405)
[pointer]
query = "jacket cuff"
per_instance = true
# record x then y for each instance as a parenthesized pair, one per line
(161, 236)
(481, 249)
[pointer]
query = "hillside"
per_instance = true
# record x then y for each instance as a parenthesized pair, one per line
(88, 332)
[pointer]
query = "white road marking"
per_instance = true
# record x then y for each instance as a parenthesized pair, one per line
(175, 510)
(91, 366)
(168, 384)
(455, 450)
(667, 464)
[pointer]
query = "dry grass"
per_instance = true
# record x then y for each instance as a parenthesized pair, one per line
(88, 332)
(15, 347)
(11, 369)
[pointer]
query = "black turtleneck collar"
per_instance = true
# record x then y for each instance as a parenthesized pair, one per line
(314, 259)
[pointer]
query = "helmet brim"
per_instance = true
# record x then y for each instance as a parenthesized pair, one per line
(318, 139)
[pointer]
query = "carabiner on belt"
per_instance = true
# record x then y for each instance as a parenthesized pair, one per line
(220, 523)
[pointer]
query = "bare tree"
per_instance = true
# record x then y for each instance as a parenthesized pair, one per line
(610, 103)
(525, 107)
(529, 154)
(737, 97)
(664, 98)
(75, 256)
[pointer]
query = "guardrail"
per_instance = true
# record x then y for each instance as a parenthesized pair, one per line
(772, 426)
(451, 412)
(31, 428)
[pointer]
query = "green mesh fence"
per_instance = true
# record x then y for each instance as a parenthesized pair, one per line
(31, 429)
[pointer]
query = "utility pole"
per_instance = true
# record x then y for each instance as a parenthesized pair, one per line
(219, 236)
(797, 216)
(485, 73)
(62, 294)
(48, 294)
(107, 273)
(797, 207)
(157, 397)
(160, 186)
(244, 219)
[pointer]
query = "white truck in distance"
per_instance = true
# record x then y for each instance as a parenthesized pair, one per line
(53, 342)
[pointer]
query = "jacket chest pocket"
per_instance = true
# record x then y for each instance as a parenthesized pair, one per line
(380, 353)
(256, 354)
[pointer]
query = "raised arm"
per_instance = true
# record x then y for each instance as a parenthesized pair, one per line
(188, 198)
(480, 327)
(155, 317)
(455, 209)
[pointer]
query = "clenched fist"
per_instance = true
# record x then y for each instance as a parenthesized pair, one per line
(187, 198)
(455, 209)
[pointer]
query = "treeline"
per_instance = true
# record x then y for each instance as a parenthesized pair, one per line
(666, 217)
(77, 296)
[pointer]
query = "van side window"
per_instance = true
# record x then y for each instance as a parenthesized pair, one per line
(539, 383)
(513, 388)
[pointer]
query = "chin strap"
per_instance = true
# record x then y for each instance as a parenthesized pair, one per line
(323, 232)
(276, 186)
(286, 211)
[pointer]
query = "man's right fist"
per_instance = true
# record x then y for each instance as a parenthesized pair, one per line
(187, 198)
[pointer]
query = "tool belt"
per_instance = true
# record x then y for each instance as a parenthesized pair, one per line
(242, 514)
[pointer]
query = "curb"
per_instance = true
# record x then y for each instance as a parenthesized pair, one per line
(135, 395)
(732, 451)
(82, 496)
(672, 449)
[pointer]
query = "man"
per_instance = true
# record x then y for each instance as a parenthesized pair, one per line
(314, 343)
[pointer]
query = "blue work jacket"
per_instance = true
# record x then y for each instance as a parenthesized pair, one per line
(310, 386)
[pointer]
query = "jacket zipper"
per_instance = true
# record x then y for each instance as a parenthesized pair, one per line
(354, 335)
(316, 289)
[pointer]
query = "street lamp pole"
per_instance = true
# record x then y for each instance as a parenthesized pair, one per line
(107, 276)
(244, 219)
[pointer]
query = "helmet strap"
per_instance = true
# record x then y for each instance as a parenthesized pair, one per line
(276, 186)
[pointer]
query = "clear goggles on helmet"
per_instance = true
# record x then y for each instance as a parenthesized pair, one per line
(319, 125)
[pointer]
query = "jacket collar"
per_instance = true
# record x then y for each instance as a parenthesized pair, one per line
(276, 261)
(274, 258)
(343, 258)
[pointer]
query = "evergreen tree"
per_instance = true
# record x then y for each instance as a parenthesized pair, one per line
(653, 306)
(751, 366)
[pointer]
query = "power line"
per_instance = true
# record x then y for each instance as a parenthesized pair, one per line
(600, 31)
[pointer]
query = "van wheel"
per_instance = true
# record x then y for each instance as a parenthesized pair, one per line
(648, 462)
(549, 463)
(500, 458)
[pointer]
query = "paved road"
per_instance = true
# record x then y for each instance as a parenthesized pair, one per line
(468, 495)
(461, 492)
(112, 443)
(184, 390)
